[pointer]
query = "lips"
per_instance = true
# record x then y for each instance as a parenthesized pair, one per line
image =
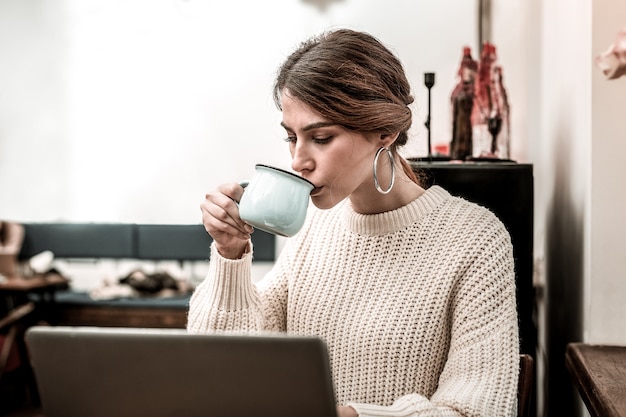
(316, 191)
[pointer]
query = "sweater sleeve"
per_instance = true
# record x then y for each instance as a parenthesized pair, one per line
(481, 372)
(228, 300)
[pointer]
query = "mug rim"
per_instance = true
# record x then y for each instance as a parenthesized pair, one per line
(285, 172)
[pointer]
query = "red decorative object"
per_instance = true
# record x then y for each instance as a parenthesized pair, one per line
(490, 111)
(462, 100)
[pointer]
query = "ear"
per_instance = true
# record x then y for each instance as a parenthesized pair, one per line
(387, 139)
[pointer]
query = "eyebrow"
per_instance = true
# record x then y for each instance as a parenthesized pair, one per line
(312, 126)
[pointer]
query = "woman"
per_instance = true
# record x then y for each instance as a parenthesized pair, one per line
(411, 289)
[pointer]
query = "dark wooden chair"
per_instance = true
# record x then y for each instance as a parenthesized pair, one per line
(9, 329)
(525, 385)
(15, 368)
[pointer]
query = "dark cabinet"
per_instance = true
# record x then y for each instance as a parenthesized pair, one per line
(506, 188)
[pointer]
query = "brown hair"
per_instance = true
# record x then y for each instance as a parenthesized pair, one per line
(351, 79)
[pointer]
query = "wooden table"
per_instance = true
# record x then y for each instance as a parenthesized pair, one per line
(35, 283)
(16, 291)
(599, 373)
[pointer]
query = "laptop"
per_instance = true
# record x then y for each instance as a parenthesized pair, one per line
(119, 372)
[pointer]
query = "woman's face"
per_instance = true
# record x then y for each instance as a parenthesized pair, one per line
(336, 160)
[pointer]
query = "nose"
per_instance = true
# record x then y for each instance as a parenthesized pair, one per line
(300, 157)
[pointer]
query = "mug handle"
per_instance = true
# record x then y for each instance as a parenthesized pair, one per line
(244, 184)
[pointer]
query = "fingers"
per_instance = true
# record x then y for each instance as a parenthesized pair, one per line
(221, 217)
(231, 190)
(220, 213)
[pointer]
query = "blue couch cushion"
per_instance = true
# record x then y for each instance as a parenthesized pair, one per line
(69, 297)
(79, 240)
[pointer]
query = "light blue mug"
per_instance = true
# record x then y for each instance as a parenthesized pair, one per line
(275, 200)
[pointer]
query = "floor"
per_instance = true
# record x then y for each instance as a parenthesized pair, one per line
(26, 412)
(15, 397)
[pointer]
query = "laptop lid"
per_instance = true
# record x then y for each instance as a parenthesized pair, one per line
(119, 372)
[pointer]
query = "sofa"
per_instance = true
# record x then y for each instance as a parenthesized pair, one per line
(90, 253)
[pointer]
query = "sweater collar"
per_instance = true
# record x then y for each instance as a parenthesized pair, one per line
(394, 220)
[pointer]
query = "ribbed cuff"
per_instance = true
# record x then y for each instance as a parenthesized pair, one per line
(404, 406)
(231, 284)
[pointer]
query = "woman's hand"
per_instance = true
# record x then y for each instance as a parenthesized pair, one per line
(220, 216)
(345, 411)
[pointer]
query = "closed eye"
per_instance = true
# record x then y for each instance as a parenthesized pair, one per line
(322, 141)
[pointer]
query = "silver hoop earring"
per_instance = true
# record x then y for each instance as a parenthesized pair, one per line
(393, 171)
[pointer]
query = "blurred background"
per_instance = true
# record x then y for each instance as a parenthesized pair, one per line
(130, 110)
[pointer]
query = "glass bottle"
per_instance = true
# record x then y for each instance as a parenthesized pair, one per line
(462, 102)
(485, 116)
(503, 141)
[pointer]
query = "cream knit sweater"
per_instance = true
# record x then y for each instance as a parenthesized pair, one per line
(417, 305)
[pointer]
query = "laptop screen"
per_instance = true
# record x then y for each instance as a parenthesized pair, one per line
(105, 372)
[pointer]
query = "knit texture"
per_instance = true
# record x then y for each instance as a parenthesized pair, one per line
(417, 305)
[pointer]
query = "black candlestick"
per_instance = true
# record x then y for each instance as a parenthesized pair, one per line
(429, 82)
(494, 125)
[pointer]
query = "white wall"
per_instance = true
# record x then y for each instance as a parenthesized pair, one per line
(130, 110)
(563, 187)
(581, 159)
(34, 132)
(606, 287)
(575, 123)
